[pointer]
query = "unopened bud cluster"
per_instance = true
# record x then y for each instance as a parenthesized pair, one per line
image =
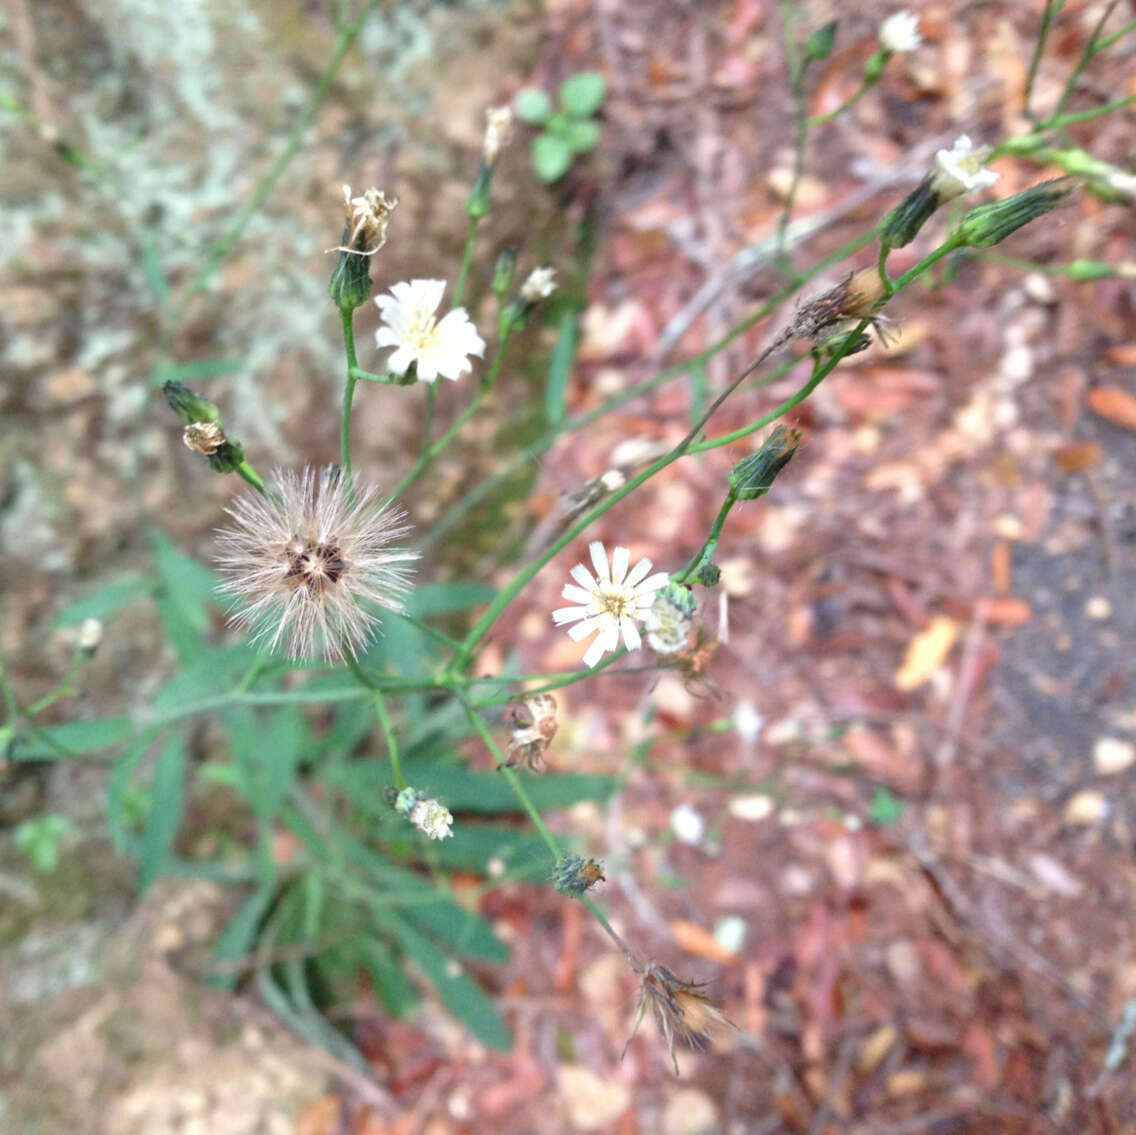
(574, 876)
(753, 476)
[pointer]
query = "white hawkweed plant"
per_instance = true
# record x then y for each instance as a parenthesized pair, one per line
(356, 706)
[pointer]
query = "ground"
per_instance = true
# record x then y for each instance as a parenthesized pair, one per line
(926, 829)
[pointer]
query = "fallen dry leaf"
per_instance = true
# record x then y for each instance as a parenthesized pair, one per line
(1005, 611)
(1114, 404)
(926, 652)
(692, 938)
(1077, 456)
(1001, 566)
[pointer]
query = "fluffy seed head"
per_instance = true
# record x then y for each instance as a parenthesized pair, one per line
(307, 562)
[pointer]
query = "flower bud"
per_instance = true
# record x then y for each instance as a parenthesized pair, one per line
(190, 407)
(89, 637)
(539, 285)
(498, 130)
(503, 271)
(427, 815)
(991, 224)
(1082, 270)
(364, 233)
(753, 476)
(477, 203)
(573, 875)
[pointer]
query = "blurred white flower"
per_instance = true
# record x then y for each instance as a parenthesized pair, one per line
(687, 824)
(960, 170)
(747, 721)
(303, 561)
(90, 635)
(435, 347)
(498, 128)
(432, 818)
(900, 32)
(541, 283)
(609, 604)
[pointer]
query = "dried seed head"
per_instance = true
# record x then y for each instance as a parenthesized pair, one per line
(682, 1012)
(839, 309)
(367, 220)
(533, 717)
(307, 563)
(498, 129)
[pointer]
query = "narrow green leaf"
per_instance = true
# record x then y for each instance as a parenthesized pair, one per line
(155, 277)
(444, 598)
(167, 797)
(103, 602)
(459, 992)
(199, 368)
(117, 790)
(186, 592)
(388, 981)
(71, 739)
(236, 941)
(560, 366)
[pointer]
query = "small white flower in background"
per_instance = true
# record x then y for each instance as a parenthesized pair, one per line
(730, 933)
(427, 815)
(90, 635)
(687, 824)
(900, 32)
(747, 721)
(960, 170)
(609, 604)
(367, 220)
(305, 562)
(498, 128)
(541, 283)
(436, 347)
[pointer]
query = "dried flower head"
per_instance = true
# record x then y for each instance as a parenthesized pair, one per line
(900, 32)
(498, 129)
(669, 619)
(682, 1012)
(960, 170)
(533, 717)
(573, 875)
(367, 220)
(204, 437)
(840, 308)
(539, 285)
(308, 561)
(610, 604)
(434, 347)
(427, 815)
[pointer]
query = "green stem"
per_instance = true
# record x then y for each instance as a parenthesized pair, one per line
(348, 393)
(1116, 36)
(866, 84)
(1090, 50)
(392, 741)
(710, 546)
(245, 470)
(64, 689)
(1051, 10)
(800, 108)
(533, 452)
(467, 258)
(881, 265)
(430, 452)
(601, 918)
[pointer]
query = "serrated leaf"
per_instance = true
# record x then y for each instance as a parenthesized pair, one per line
(551, 157)
(583, 94)
(103, 602)
(460, 993)
(167, 797)
(532, 106)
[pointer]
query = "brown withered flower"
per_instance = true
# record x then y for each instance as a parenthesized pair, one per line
(682, 1012)
(842, 307)
(533, 717)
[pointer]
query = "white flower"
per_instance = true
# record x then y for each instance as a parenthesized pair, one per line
(610, 603)
(307, 561)
(900, 32)
(427, 815)
(498, 128)
(687, 824)
(540, 284)
(959, 170)
(90, 635)
(432, 818)
(747, 721)
(436, 347)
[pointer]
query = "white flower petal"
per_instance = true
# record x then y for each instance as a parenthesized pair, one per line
(583, 577)
(582, 630)
(599, 561)
(631, 637)
(638, 572)
(654, 582)
(399, 362)
(563, 615)
(577, 594)
(620, 558)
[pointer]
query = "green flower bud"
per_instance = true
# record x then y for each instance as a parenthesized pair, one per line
(874, 68)
(1089, 270)
(573, 875)
(477, 204)
(708, 575)
(504, 271)
(188, 406)
(991, 224)
(900, 226)
(753, 476)
(350, 283)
